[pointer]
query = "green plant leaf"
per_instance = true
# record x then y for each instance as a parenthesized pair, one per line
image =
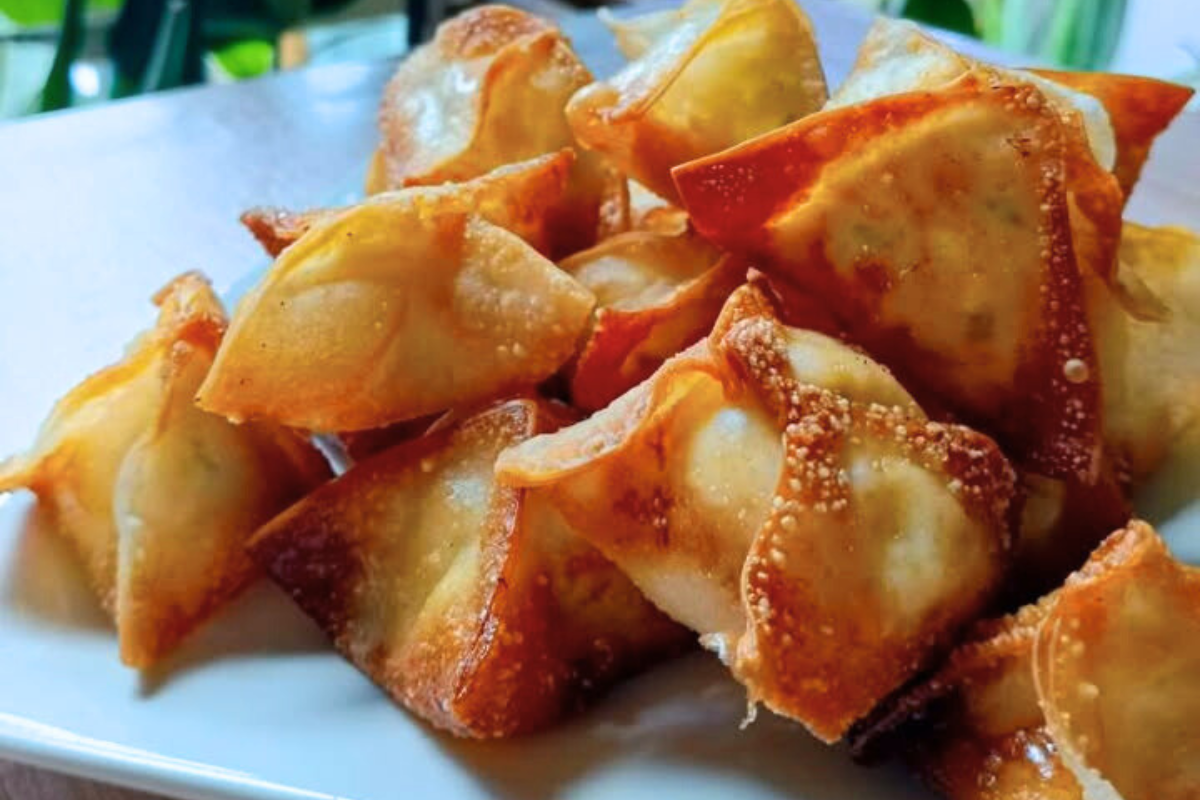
(246, 58)
(33, 12)
(989, 19)
(1076, 34)
(950, 15)
(57, 91)
(28, 13)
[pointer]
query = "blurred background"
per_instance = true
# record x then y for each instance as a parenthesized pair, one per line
(56, 54)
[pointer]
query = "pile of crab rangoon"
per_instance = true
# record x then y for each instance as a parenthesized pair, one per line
(828, 382)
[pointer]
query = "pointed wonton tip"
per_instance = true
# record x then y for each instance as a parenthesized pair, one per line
(1139, 109)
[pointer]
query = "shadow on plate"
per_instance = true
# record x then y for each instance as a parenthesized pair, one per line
(261, 621)
(683, 718)
(45, 582)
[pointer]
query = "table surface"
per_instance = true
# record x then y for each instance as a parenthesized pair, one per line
(101, 207)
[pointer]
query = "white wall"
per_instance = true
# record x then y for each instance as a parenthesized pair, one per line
(1156, 37)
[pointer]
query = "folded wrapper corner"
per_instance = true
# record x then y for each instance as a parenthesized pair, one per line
(525, 197)
(656, 293)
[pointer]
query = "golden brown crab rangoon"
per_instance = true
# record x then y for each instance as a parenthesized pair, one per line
(1089, 693)
(157, 496)
(476, 605)
(774, 302)
(492, 89)
(407, 304)
(782, 495)
(701, 78)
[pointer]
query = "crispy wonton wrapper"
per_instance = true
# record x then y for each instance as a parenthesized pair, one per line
(1093, 686)
(1139, 109)
(1116, 664)
(781, 494)
(490, 90)
(704, 77)
(473, 604)
(1151, 367)
(1110, 122)
(1151, 371)
(391, 310)
(157, 496)
(1122, 115)
(898, 56)
(655, 295)
(525, 198)
(975, 731)
(976, 301)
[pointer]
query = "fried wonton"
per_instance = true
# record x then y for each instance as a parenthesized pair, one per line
(1138, 108)
(473, 604)
(975, 731)
(1116, 663)
(525, 198)
(157, 496)
(704, 77)
(655, 294)
(1151, 367)
(935, 227)
(781, 494)
(1093, 685)
(489, 90)
(1110, 122)
(391, 310)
